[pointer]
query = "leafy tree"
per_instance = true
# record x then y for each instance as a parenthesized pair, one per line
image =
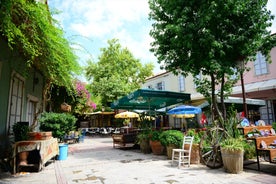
(117, 73)
(209, 37)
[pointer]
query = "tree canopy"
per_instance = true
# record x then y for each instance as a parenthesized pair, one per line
(117, 73)
(29, 28)
(209, 37)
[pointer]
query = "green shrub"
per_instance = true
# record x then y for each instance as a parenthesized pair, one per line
(249, 150)
(197, 135)
(274, 125)
(233, 144)
(155, 135)
(171, 137)
(143, 135)
(20, 131)
(58, 123)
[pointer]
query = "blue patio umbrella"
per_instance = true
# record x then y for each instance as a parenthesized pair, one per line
(185, 109)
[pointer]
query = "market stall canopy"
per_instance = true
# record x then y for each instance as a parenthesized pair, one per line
(148, 99)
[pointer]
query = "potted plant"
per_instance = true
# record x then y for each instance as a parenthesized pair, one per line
(156, 147)
(59, 124)
(143, 141)
(171, 139)
(20, 132)
(232, 151)
(195, 157)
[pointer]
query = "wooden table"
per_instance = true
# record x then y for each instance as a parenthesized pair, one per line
(46, 150)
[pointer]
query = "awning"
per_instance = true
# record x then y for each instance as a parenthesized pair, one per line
(148, 99)
(99, 112)
(238, 102)
(256, 86)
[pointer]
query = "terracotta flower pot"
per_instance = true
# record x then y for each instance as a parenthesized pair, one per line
(23, 156)
(156, 147)
(145, 146)
(169, 150)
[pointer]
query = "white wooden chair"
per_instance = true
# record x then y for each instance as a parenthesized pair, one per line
(183, 155)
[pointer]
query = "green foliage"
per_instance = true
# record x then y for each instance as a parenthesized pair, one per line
(20, 131)
(233, 144)
(249, 150)
(29, 28)
(197, 135)
(231, 124)
(59, 123)
(274, 125)
(143, 135)
(174, 137)
(211, 38)
(117, 73)
(155, 135)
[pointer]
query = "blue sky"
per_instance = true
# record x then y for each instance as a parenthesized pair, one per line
(90, 23)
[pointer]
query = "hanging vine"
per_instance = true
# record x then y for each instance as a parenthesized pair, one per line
(29, 28)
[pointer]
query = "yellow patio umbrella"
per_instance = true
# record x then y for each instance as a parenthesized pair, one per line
(127, 114)
(147, 118)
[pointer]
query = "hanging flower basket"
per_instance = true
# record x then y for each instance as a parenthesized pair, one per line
(65, 107)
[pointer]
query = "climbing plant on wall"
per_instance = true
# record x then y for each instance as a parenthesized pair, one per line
(28, 27)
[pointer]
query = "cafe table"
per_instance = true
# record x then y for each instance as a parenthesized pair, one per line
(39, 152)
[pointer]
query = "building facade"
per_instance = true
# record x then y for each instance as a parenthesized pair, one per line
(259, 82)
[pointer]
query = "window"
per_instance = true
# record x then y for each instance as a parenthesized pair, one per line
(235, 75)
(198, 77)
(16, 101)
(161, 85)
(181, 83)
(31, 108)
(149, 86)
(260, 64)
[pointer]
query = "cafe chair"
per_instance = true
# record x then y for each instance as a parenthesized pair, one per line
(183, 155)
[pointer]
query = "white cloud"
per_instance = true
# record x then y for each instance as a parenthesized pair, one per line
(102, 20)
(99, 18)
(271, 5)
(106, 19)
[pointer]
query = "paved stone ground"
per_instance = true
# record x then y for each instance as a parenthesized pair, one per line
(96, 161)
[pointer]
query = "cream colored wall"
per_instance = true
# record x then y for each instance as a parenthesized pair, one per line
(171, 82)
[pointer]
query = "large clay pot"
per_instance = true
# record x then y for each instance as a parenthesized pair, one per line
(145, 146)
(232, 160)
(23, 158)
(195, 157)
(156, 147)
(169, 148)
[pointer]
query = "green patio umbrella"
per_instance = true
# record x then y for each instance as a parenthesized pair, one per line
(148, 99)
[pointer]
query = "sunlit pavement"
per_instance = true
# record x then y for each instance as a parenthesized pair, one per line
(96, 161)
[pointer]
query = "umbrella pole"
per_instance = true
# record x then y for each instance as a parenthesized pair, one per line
(155, 118)
(185, 124)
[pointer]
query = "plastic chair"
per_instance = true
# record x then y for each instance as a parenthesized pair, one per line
(183, 155)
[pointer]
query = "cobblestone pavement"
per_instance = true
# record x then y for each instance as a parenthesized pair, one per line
(96, 161)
